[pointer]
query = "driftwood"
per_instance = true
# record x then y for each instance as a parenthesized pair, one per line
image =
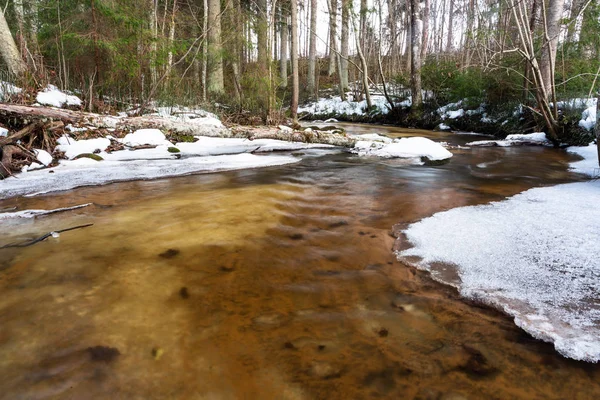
(43, 237)
(321, 137)
(6, 164)
(38, 213)
(10, 146)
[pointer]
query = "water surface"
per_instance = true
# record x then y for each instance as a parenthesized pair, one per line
(277, 283)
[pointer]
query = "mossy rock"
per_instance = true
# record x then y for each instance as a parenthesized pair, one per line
(94, 157)
(181, 138)
(430, 162)
(173, 150)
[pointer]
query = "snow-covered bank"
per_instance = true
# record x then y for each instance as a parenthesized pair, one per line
(589, 165)
(536, 138)
(86, 172)
(533, 255)
(336, 106)
(165, 160)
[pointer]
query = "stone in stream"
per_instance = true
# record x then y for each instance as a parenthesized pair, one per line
(324, 370)
(103, 353)
(170, 253)
(476, 363)
(184, 293)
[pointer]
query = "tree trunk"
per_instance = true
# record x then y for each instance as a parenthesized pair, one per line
(363, 62)
(261, 33)
(425, 37)
(153, 21)
(449, 45)
(312, 54)
(535, 7)
(283, 43)
(332, 36)
(597, 128)
(294, 54)
(344, 47)
(215, 84)
(8, 49)
(416, 24)
(204, 48)
(552, 18)
(171, 39)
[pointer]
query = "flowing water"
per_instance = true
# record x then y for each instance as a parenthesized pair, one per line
(276, 283)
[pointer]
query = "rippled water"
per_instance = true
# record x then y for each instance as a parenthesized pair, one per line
(274, 283)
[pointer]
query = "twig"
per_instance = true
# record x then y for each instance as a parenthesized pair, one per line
(43, 237)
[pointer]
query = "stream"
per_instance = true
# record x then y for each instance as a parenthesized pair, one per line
(273, 283)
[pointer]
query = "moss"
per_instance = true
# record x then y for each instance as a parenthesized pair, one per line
(429, 162)
(173, 150)
(95, 157)
(181, 138)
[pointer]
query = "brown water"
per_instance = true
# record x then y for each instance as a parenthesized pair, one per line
(280, 284)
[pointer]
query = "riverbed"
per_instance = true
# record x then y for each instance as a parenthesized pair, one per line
(269, 283)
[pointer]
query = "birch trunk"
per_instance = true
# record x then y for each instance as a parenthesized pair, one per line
(553, 14)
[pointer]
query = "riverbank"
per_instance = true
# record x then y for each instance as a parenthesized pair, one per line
(577, 116)
(532, 256)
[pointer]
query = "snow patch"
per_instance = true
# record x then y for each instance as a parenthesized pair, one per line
(413, 147)
(538, 138)
(52, 96)
(72, 148)
(146, 137)
(43, 156)
(7, 89)
(3, 132)
(337, 106)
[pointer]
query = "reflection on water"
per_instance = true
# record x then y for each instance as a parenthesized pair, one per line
(274, 284)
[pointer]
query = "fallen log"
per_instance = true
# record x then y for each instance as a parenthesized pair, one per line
(321, 137)
(169, 125)
(15, 114)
